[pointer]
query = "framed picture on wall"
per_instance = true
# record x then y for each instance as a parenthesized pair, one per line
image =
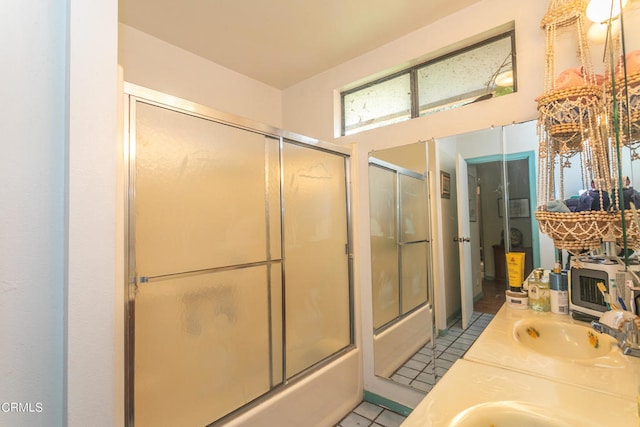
(445, 185)
(518, 208)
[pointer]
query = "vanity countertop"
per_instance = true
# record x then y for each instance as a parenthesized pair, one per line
(613, 374)
(470, 385)
(497, 370)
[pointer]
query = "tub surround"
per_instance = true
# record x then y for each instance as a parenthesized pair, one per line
(502, 375)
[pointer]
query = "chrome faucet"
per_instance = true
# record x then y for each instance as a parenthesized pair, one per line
(628, 336)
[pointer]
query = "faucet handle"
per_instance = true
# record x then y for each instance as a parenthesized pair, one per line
(630, 325)
(605, 329)
(631, 331)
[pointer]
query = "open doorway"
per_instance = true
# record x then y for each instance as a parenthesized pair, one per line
(508, 198)
(495, 182)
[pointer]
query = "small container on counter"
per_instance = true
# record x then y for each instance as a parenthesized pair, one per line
(517, 300)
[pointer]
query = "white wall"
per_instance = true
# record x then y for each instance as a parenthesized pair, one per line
(411, 156)
(311, 106)
(32, 222)
(155, 64)
(57, 264)
(449, 225)
(91, 197)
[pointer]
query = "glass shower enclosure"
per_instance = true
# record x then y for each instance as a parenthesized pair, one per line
(239, 262)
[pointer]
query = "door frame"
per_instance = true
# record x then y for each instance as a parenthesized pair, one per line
(530, 156)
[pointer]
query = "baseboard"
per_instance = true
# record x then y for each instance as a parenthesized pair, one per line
(478, 297)
(453, 318)
(386, 403)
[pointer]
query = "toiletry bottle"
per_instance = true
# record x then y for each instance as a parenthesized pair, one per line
(539, 296)
(559, 294)
(532, 287)
(515, 270)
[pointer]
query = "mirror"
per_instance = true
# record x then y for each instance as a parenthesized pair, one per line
(504, 199)
(502, 166)
(501, 178)
(400, 261)
(622, 58)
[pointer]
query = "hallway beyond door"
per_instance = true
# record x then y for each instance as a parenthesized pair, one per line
(493, 297)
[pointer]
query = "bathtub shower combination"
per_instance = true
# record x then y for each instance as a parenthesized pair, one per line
(239, 261)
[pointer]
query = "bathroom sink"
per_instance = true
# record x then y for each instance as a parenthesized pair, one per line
(508, 414)
(473, 394)
(563, 340)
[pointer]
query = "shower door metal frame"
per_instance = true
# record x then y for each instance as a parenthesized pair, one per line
(399, 170)
(133, 95)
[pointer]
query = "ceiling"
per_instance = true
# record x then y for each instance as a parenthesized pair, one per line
(282, 42)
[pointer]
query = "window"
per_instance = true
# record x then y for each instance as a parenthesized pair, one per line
(478, 73)
(475, 73)
(380, 104)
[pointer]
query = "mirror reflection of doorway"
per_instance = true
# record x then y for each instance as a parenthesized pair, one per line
(486, 182)
(495, 148)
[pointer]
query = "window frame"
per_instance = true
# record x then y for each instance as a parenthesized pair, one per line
(413, 79)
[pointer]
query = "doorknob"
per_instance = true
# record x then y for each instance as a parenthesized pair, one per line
(462, 239)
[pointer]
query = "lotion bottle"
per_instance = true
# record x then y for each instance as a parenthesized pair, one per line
(559, 294)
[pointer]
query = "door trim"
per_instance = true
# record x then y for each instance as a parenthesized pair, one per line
(530, 156)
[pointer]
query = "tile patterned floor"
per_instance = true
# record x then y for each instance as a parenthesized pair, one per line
(368, 414)
(418, 372)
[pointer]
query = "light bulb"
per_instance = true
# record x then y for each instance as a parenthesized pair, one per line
(597, 32)
(601, 10)
(505, 79)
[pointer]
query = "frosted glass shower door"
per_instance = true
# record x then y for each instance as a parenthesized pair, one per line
(399, 221)
(208, 306)
(317, 291)
(202, 346)
(384, 245)
(200, 194)
(413, 241)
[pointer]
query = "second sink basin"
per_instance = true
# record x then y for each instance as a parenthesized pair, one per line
(508, 414)
(566, 340)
